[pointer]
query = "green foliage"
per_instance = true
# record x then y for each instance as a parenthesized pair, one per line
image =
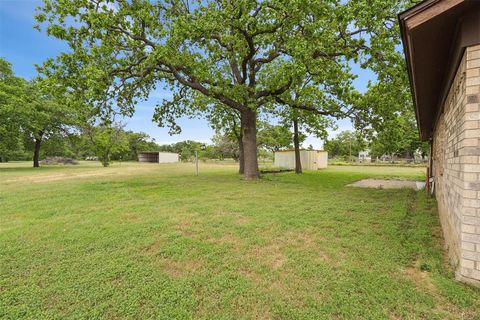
(274, 137)
(138, 142)
(226, 147)
(30, 113)
(107, 142)
(186, 149)
(242, 55)
(398, 135)
(346, 144)
(12, 101)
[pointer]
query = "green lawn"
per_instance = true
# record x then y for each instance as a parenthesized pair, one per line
(154, 241)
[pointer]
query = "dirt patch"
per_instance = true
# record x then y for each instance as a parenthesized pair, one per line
(270, 255)
(153, 248)
(241, 220)
(57, 177)
(179, 268)
(227, 238)
(423, 282)
(388, 184)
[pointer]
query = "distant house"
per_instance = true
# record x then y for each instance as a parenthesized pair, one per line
(441, 41)
(158, 157)
(310, 159)
(364, 156)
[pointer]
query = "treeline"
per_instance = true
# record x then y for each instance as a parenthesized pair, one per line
(35, 123)
(402, 142)
(113, 143)
(37, 120)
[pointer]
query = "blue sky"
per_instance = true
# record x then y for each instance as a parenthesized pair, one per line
(24, 47)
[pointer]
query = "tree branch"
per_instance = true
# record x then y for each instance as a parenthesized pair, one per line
(278, 91)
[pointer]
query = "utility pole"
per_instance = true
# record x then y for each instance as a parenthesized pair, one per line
(350, 150)
(196, 162)
(203, 147)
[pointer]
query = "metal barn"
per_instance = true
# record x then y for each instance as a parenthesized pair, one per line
(158, 157)
(311, 159)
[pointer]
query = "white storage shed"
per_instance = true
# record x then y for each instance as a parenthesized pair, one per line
(310, 159)
(158, 157)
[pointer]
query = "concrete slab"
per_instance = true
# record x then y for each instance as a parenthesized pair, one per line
(388, 184)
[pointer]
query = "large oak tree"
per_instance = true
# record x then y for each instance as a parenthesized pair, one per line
(122, 50)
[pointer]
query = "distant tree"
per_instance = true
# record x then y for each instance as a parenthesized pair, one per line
(107, 141)
(274, 137)
(398, 136)
(346, 144)
(314, 101)
(137, 142)
(58, 144)
(29, 109)
(227, 124)
(186, 149)
(44, 115)
(12, 99)
(226, 146)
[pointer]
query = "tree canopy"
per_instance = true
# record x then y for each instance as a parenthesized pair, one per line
(28, 110)
(242, 54)
(12, 93)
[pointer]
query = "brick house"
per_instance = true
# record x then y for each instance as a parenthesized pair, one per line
(441, 41)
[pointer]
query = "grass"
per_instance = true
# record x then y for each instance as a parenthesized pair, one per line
(154, 241)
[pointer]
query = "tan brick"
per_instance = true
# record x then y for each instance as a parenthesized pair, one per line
(469, 194)
(468, 246)
(468, 264)
(474, 80)
(469, 211)
(471, 237)
(471, 55)
(473, 98)
(471, 125)
(470, 273)
(470, 142)
(472, 107)
(472, 116)
(470, 151)
(473, 90)
(471, 255)
(471, 167)
(473, 64)
(471, 203)
(472, 177)
(471, 220)
(468, 228)
(470, 159)
(473, 73)
(473, 186)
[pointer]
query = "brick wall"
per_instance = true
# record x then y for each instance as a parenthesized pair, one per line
(456, 168)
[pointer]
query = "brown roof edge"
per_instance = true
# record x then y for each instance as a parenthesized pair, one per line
(402, 17)
(430, 79)
(407, 13)
(406, 53)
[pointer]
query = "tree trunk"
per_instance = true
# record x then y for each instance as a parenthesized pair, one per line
(296, 144)
(241, 159)
(249, 139)
(36, 152)
(106, 159)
